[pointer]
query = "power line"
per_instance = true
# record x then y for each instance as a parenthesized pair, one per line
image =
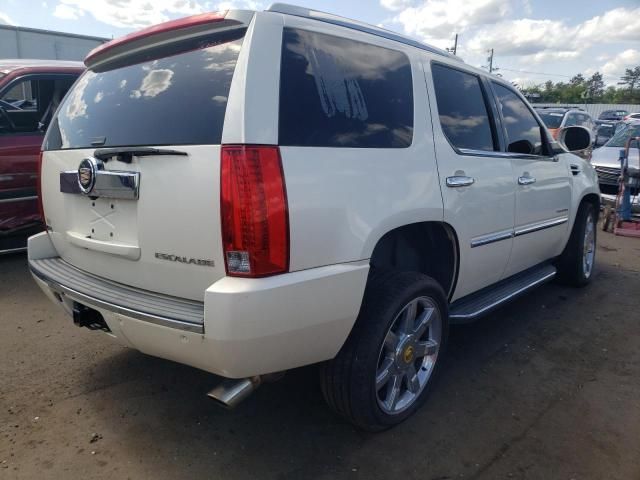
(536, 73)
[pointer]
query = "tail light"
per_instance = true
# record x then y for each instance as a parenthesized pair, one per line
(39, 189)
(255, 217)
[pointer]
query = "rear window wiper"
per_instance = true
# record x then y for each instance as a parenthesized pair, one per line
(125, 154)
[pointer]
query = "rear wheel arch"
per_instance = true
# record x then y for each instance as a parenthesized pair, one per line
(430, 248)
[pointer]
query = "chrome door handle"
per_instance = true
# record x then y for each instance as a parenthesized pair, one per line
(526, 180)
(460, 181)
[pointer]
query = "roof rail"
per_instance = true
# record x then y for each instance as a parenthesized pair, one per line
(355, 25)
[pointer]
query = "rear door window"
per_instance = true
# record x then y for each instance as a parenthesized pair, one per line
(336, 92)
(524, 133)
(462, 109)
(175, 100)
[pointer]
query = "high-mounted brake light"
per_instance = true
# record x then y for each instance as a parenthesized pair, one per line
(255, 217)
(180, 23)
(39, 189)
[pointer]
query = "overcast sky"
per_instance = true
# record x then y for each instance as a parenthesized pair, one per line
(533, 40)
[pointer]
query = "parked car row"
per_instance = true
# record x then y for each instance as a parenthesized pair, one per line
(30, 91)
(606, 158)
(610, 132)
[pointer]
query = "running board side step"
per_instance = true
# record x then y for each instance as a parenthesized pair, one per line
(471, 307)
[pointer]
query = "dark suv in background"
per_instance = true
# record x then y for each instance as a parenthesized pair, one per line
(606, 124)
(30, 92)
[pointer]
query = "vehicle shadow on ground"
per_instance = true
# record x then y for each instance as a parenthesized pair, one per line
(285, 430)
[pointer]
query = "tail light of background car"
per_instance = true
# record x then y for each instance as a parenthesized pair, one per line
(254, 211)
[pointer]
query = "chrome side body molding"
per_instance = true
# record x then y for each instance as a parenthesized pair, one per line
(491, 238)
(534, 227)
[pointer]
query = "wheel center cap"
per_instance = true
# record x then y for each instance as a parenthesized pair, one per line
(407, 355)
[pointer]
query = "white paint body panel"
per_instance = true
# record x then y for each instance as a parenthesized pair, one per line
(482, 209)
(167, 218)
(252, 326)
(546, 200)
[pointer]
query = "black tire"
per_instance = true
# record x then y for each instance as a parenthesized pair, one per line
(571, 268)
(348, 381)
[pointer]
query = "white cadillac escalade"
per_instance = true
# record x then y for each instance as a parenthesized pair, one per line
(251, 192)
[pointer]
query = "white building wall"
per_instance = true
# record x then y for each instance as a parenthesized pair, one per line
(18, 42)
(594, 109)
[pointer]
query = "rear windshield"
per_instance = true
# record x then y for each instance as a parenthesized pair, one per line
(175, 100)
(551, 119)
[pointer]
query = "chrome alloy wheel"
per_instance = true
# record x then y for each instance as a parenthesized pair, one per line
(589, 246)
(408, 355)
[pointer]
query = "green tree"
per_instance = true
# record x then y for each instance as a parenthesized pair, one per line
(595, 86)
(610, 95)
(580, 90)
(577, 79)
(631, 78)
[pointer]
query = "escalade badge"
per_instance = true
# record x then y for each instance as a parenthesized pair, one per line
(193, 261)
(87, 172)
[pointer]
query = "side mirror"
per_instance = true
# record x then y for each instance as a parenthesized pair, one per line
(575, 138)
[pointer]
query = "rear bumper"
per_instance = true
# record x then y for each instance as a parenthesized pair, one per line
(249, 326)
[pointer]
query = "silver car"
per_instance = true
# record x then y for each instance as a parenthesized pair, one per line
(606, 158)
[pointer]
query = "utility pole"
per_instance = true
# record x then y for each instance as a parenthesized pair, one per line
(454, 50)
(490, 60)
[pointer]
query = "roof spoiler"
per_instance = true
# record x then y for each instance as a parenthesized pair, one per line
(187, 28)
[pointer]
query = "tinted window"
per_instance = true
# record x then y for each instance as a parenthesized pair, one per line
(524, 134)
(462, 108)
(336, 92)
(174, 100)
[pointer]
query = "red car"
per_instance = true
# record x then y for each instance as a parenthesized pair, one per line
(30, 92)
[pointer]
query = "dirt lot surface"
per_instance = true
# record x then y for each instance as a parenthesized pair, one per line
(546, 388)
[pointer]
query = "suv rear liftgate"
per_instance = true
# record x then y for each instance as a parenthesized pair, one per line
(138, 134)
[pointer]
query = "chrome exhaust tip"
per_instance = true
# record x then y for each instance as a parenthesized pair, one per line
(230, 392)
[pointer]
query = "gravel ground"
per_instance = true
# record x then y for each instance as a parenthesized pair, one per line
(545, 388)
